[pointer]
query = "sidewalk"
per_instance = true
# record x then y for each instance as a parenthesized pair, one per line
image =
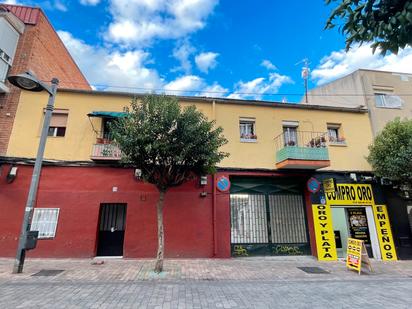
(237, 269)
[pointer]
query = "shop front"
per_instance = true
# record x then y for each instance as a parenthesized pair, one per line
(351, 212)
(268, 216)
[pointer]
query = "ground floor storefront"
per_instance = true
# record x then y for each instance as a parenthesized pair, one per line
(106, 211)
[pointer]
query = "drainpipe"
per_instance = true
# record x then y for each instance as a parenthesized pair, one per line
(214, 215)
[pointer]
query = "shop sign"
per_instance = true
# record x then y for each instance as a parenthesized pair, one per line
(223, 184)
(351, 194)
(358, 223)
(313, 185)
(384, 233)
(357, 255)
(329, 185)
(325, 236)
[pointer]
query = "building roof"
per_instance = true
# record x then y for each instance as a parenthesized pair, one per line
(224, 101)
(28, 15)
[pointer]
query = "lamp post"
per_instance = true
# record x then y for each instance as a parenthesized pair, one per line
(29, 82)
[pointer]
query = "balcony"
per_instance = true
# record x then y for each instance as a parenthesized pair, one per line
(103, 150)
(301, 150)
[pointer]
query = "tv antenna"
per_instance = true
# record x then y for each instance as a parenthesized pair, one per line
(305, 75)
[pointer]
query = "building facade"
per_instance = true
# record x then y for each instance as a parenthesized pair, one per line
(387, 96)
(28, 42)
(265, 199)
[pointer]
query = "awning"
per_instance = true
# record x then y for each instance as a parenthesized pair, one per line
(104, 114)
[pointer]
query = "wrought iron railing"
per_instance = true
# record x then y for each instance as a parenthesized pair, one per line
(301, 139)
(106, 151)
(301, 145)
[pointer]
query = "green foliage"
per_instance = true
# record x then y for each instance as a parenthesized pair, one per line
(391, 152)
(386, 23)
(169, 144)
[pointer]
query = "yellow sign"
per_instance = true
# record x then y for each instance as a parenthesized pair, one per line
(329, 185)
(357, 255)
(325, 237)
(383, 228)
(351, 194)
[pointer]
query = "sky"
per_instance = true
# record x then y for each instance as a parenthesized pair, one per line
(240, 49)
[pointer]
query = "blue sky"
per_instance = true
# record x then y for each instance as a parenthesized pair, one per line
(239, 49)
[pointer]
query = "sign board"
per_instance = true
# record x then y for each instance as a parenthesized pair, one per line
(329, 185)
(351, 194)
(223, 184)
(313, 185)
(325, 236)
(357, 256)
(383, 228)
(358, 223)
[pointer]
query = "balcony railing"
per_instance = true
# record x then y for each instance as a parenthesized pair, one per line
(105, 151)
(301, 149)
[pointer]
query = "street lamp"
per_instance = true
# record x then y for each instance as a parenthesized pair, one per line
(28, 81)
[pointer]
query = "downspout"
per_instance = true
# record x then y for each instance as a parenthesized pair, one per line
(214, 215)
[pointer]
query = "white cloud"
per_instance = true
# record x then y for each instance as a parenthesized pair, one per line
(113, 68)
(340, 63)
(90, 2)
(214, 90)
(188, 83)
(206, 61)
(268, 65)
(59, 5)
(182, 53)
(258, 87)
(193, 85)
(128, 71)
(137, 22)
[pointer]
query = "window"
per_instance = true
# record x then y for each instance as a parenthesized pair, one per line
(107, 122)
(247, 129)
(58, 123)
(386, 100)
(45, 221)
(334, 134)
(290, 136)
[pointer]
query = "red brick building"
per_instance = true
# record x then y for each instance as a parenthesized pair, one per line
(39, 50)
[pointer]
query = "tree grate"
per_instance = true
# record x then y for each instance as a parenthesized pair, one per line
(313, 270)
(48, 272)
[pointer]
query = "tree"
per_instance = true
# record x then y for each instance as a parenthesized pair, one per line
(386, 23)
(170, 145)
(391, 152)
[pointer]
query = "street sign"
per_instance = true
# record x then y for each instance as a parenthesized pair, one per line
(313, 185)
(329, 185)
(223, 184)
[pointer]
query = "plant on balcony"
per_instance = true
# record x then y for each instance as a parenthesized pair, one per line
(107, 152)
(317, 142)
(338, 140)
(248, 136)
(170, 145)
(291, 143)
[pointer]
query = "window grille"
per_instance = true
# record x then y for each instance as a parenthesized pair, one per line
(45, 221)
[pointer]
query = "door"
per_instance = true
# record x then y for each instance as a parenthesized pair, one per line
(341, 230)
(111, 229)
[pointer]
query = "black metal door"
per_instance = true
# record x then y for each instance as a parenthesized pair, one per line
(111, 229)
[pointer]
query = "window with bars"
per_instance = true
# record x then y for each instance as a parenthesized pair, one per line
(260, 218)
(335, 134)
(247, 129)
(45, 221)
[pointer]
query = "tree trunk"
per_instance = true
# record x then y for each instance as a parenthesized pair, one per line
(160, 233)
